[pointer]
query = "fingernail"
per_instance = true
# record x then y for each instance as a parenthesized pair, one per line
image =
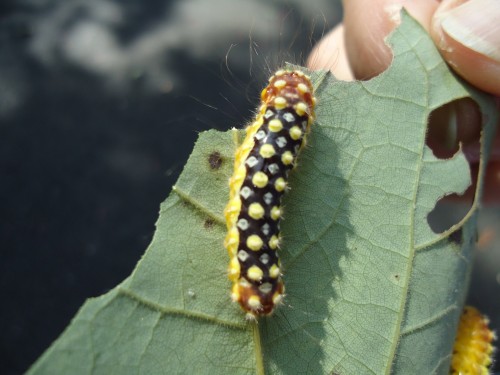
(476, 25)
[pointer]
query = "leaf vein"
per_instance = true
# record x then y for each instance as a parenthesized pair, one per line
(172, 311)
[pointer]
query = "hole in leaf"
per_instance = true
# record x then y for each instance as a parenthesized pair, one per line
(215, 160)
(448, 211)
(454, 123)
(451, 125)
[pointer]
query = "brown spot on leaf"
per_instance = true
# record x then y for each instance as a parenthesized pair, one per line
(215, 160)
(209, 223)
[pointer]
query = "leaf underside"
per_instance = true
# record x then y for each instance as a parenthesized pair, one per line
(371, 289)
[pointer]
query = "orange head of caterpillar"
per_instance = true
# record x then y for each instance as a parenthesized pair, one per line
(294, 87)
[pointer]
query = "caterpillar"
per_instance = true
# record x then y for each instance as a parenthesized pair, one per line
(473, 347)
(261, 167)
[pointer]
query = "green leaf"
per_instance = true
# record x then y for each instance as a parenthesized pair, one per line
(371, 289)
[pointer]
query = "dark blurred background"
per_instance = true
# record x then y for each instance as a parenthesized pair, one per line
(100, 104)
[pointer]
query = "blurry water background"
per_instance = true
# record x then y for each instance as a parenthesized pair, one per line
(100, 104)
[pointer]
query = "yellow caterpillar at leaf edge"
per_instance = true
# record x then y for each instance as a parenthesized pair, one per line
(261, 167)
(473, 347)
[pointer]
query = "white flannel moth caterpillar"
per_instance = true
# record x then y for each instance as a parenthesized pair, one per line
(261, 167)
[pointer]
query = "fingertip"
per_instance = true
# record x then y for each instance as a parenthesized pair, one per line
(367, 24)
(356, 49)
(329, 54)
(467, 34)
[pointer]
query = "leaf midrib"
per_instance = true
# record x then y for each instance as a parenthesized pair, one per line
(411, 257)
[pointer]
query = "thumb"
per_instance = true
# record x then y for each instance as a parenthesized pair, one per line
(468, 36)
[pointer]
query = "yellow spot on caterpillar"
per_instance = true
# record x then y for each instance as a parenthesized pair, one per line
(280, 83)
(267, 151)
(277, 298)
(280, 102)
(260, 179)
(256, 211)
(275, 213)
(274, 242)
(280, 184)
(302, 88)
(274, 271)
(287, 158)
(275, 125)
(254, 242)
(254, 302)
(255, 273)
(301, 108)
(295, 133)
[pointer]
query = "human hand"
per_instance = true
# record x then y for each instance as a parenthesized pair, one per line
(467, 33)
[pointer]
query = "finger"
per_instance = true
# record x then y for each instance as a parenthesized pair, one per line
(468, 36)
(364, 49)
(330, 54)
(367, 24)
